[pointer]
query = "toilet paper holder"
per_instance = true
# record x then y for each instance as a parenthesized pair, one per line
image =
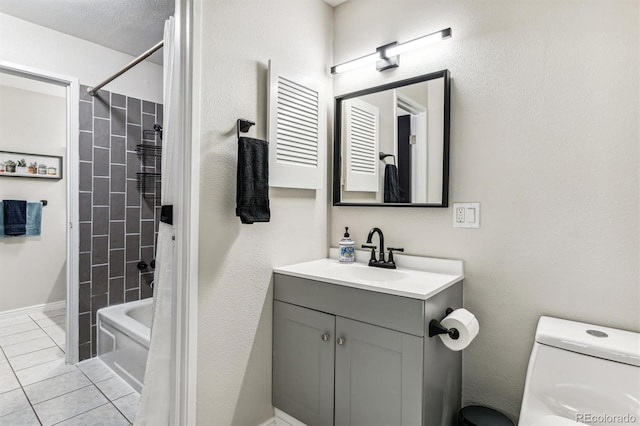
(436, 328)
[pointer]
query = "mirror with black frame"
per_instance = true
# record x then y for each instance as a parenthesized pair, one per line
(391, 144)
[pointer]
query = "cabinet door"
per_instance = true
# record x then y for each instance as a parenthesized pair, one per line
(378, 376)
(303, 361)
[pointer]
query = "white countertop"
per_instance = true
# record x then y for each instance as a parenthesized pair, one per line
(416, 277)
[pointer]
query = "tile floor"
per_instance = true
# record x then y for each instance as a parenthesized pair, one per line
(38, 388)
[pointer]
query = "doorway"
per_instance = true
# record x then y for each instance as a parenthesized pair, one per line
(41, 122)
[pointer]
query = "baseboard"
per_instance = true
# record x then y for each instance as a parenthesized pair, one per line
(33, 309)
(282, 419)
(270, 422)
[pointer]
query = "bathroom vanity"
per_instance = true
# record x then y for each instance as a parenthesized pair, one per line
(351, 343)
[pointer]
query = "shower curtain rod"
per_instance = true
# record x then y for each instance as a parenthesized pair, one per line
(94, 90)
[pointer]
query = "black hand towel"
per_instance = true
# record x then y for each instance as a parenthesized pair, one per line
(252, 197)
(391, 188)
(15, 217)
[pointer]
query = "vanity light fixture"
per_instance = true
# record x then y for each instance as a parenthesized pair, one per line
(356, 63)
(386, 57)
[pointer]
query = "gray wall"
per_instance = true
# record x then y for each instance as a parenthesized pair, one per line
(117, 226)
(545, 136)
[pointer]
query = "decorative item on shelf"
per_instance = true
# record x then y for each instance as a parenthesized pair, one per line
(10, 166)
(21, 166)
(34, 166)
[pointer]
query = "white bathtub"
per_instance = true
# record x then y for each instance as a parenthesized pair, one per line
(124, 332)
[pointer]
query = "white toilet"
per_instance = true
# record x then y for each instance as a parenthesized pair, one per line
(582, 373)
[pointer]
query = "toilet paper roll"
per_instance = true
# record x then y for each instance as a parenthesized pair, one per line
(466, 324)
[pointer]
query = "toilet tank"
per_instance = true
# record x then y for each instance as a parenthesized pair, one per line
(582, 373)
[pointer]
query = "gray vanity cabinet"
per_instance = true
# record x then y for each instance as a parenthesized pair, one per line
(378, 375)
(346, 356)
(303, 363)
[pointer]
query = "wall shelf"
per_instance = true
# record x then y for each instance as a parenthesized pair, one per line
(149, 185)
(148, 150)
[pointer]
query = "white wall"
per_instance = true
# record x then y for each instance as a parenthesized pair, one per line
(32, 45)
(33, 268)
(545, 135)
(235, 266)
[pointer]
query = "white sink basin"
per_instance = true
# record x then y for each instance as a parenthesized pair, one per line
(361, 272)
(415, 277)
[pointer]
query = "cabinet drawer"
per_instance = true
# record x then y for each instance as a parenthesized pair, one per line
(385, 310)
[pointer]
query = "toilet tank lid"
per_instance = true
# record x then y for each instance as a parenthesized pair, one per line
(602, 342)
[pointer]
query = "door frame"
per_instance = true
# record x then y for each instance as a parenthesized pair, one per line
(186, 216)
(71, 170)
(415, 109)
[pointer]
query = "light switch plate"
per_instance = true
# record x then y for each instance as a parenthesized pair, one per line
(466, 215)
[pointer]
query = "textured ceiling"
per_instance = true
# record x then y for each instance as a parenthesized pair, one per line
(129, 26)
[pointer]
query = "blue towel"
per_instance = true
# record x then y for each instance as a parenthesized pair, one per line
(15, 217)
(34, 218)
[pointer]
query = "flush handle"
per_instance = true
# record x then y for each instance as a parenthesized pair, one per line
(340, 341)
(325, 337)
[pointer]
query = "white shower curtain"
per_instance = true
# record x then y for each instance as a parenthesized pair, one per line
(155, 399)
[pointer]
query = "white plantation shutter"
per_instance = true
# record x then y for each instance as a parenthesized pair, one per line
(297, 131)
(361, 143)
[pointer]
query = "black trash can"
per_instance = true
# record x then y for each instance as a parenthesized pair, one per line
(475, 415)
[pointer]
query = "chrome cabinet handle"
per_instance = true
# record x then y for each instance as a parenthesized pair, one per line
(325, 337)
(340, 341)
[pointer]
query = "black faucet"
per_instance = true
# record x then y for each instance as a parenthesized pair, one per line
(380, 263)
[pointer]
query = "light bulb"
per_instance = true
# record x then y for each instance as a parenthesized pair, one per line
(418, 43)
(356, 63)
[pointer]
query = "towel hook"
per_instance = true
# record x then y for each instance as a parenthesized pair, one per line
(243, 126)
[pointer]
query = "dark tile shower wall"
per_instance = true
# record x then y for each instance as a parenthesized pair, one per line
(118, 227)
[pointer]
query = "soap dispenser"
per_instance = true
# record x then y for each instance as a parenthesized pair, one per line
(347, 248)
